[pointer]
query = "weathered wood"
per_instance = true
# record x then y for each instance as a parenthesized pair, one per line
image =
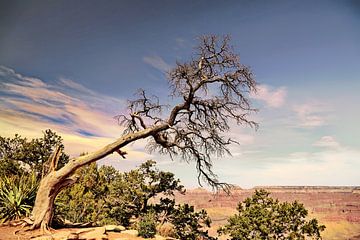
(55, 181)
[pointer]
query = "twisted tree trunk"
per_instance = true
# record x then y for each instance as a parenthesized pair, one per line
(55, 180)
(49, 188)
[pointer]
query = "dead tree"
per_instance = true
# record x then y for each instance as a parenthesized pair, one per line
(212, 90)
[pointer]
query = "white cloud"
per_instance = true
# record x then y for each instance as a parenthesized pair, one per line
(29, 105)
(274, 98)
(75, 86)
(83, 117)
(325, 167)
(327, 142)
(311, 114)
(157, 62)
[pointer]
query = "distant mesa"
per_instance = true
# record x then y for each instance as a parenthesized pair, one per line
(347, 189)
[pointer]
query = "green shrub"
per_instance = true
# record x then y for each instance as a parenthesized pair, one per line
(101, 195)
(18, 155)
(84, 202)
(17, 196)
(261, 217)
(189, 224)
(185, 222)
(147, 225)
(106, 196)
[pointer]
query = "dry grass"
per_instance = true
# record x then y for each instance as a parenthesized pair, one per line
(166, 230)
(341, 230)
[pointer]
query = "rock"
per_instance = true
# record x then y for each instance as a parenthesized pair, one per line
(45, 237)
(114, 228)
(64, 235)
(131, 232)
(94, 234)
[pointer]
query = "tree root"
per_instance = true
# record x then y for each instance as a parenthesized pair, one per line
(25, 222)
(45, 229)
(30, 226)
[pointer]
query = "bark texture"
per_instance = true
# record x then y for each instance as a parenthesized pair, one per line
(49, 188)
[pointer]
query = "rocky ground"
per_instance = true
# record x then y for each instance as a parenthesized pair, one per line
(109, 232)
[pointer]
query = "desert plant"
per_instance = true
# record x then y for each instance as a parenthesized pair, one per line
(106, 196)
(185, 222)
(147, 225)
(139, 186)
(17, 196)
(262, 217)
(189, 224)
(85, 202)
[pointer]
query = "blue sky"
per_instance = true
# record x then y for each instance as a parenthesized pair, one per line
(71, 65)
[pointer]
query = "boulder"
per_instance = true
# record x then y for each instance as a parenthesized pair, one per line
(64, 234)
(114, 228)
(94, 234)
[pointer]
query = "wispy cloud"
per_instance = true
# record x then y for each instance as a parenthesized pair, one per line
(83, 117)
(273, 98)
(75, 86)
(327, 142)
(319, 168)
(311, 114)
(181, 43)
(325, 166)
(157, 62)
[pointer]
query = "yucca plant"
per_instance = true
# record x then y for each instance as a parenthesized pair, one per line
(17, 196)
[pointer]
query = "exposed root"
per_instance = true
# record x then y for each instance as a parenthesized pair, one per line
(29, 221)
(25, 222)
(45, 229)
(28, 225)
(21, 222)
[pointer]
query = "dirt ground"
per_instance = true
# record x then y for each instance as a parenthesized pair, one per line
(16, 233)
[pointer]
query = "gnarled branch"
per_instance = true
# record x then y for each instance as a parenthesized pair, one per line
(213, 89)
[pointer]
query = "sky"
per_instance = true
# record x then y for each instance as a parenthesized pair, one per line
(72, 65)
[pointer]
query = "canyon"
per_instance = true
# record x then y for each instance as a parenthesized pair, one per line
(338, 208)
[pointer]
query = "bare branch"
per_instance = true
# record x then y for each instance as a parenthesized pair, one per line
(213, 89)
(144, 111)
(121, 153)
